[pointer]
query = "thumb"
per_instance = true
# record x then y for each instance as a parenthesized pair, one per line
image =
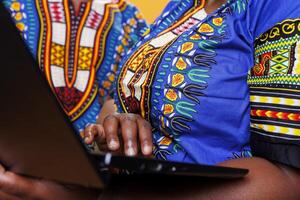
(92, 132)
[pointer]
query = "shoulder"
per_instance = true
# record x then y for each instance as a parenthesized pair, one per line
(265, 14)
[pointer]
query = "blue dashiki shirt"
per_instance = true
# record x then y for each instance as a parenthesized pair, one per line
(191, 72)
(79, 51)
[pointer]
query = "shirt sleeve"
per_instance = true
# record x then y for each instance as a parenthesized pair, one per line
(274, 81)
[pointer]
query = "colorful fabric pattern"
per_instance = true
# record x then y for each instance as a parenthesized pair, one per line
(275, 81)
(169, 78)
(188, 77)
(78, 51)
(274, 85)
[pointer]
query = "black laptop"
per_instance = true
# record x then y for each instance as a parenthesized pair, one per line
(37, 139)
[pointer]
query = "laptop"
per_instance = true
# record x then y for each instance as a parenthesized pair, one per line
(37, 139)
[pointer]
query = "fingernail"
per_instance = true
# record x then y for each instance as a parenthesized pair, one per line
(147, 149)
(113, 145)
(90, 134)
(130, 152)
(86, 140)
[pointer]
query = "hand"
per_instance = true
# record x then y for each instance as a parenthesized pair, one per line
(15, 187)
(128, 133)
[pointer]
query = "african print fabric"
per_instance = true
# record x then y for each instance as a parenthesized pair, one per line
(275, 81)
(188, 77)
(274, 84)
(79, 51)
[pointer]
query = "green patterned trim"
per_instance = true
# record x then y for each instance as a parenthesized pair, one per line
(276, 45)
(291, 79)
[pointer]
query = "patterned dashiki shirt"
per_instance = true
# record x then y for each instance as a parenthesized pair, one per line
(78, 51)
(207, 82)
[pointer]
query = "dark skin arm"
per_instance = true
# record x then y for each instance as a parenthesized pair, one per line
(266, 180)
(15, 187)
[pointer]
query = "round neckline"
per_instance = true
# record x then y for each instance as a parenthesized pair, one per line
(172, 10)
(152, 34)
(163, 16)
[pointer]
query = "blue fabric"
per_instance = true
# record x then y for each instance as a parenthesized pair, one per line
(274, 82)
(122, 28)
(206, 118)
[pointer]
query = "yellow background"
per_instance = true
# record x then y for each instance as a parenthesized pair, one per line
(150, 9)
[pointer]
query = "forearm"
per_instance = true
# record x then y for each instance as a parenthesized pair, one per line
(265, 181)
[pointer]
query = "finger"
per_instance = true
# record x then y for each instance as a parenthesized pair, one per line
(103, 146)
(89, 134)
(92, 132)
(129, 134)
(15, 185)
(29, 188)
(145, 136)
(20, 188)
(2, 169)
(111, 129)
(6, 196)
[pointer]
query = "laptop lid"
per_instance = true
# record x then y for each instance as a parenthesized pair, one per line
(36, 138)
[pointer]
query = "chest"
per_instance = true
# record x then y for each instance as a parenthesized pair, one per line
(180, 61)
